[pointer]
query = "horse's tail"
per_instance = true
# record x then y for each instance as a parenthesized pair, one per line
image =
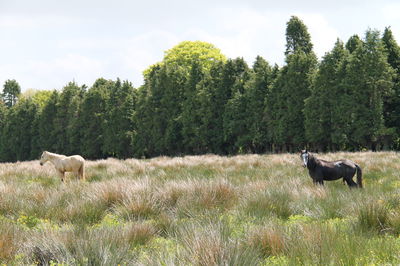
(359, 176)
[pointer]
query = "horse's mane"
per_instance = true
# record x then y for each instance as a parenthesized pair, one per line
(312, 161)
(52, 154)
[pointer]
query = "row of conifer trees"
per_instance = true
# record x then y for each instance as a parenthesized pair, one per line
(196, 101)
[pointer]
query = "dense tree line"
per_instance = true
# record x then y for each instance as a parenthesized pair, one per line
(196, 101)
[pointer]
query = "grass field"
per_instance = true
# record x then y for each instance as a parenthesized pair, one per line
(200, 210)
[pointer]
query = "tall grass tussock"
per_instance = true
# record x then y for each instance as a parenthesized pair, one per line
(200, 210)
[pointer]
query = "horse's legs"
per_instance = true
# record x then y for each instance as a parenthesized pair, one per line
(318, 181)
(76, 174)
(62, 175)
(350, 182)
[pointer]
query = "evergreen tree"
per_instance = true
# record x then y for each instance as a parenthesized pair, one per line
(3, 119)
(17, 132)
(342, 116)
(369, 78)
(391, 104)
(297, 37)
(237, 137)
(76, 95)
(292, 87)
(257, 90)
(236, 133)
(11, 91)
(149, 120)
(66, 108)
(191, 116)
(296, 89)
(40, 98)
(353, 42)
(171, 110)
(325, 96)
(3, 111)
(92, 119)
(142, 117)
(46, 121)
(392, 49)
(118, 120)
(207, 133)
(163, 96)
(274, 110)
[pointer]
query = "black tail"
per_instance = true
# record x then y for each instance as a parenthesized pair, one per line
(359, 176)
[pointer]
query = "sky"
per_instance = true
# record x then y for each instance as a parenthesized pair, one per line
(44, 44)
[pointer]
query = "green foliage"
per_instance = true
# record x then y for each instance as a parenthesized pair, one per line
(187, 53)
(391, 106)
(28, 221)
(46, 123)
(158, 127)
(39, 97)
(11, 91)
(236, 108)
(92, 118)
(66, 127)
(325, 96)
(3, 115)
(353, 42)
(297, 37)
(195, 101)
(17, 135)
(257, 91)
(285, 104)
(369, 76)
(118, 120)
(191, 115)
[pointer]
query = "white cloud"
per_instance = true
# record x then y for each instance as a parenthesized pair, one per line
(323, 36)
(18, 22)
(51, 46)
(138, 53)
(391, 12)
(245, 32)
(53, 73)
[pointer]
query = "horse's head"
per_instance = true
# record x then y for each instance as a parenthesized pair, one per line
(304, 155)
(44, 158)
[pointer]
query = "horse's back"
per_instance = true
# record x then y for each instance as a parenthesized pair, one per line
(349, 163)
(73, 163)
(332, 170)
(77, 158)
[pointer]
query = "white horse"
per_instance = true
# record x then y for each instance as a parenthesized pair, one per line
(63, 164)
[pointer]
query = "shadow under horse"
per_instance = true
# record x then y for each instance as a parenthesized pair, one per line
(321, 170)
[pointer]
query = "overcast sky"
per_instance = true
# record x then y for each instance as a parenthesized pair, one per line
(44, 44)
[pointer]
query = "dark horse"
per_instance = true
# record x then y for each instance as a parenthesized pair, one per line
(321, 170)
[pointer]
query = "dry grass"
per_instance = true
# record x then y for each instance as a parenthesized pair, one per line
(270, 240)
(10, 239)
(200, 210)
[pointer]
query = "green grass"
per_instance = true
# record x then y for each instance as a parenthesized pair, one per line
(200, 210)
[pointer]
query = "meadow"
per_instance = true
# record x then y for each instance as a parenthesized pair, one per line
(200, 210)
